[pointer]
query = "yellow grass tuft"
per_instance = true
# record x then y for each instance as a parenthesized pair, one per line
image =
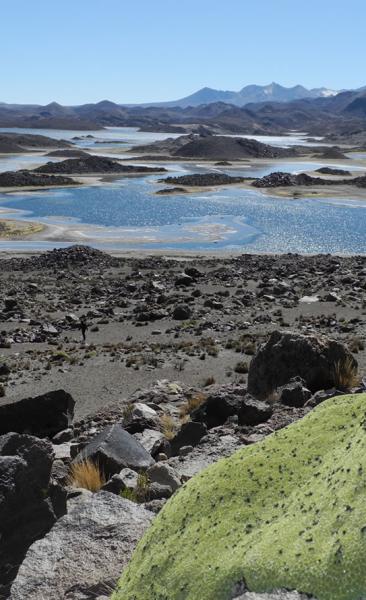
(345, 374)
(192, 403)
(87, 475)
(168, 426)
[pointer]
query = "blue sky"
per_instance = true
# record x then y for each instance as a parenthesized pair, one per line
(76, 51)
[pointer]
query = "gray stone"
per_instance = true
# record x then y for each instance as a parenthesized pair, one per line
(185, 450)
(323, 395)
(60, 472)
(63, 436)
(223, 402)
(158, 491)
(26, 509)
(62, 452)
(129, 478)
(184, 280)
(84, 551)
(189, 435)
(165, 475)
(294, 393)
(142, 411)
(114, 485)
(155, 505)
(151, 440)
(141, 417)
(113, 449)
(252, 411)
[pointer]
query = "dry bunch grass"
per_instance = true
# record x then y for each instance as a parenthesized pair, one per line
(87, 475)
(168, 426)
(345, 373)
(192, 403)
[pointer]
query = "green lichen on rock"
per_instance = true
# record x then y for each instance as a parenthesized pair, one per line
(289, 512)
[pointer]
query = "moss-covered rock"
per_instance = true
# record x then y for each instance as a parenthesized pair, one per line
(289, 512)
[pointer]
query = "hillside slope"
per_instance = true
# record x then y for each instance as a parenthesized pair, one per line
(288, 512)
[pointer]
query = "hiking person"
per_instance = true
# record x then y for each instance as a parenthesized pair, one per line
(84, 327)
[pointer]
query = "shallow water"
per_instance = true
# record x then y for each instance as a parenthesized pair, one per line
(231, 218)
(130, 136)
(128, 214)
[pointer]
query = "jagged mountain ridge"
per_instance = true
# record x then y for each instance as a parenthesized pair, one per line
(248, 94)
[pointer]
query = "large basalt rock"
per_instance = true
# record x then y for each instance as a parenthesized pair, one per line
(26, 510)
(287, 355)
(113, 449)
(82, 555)
(42, 416)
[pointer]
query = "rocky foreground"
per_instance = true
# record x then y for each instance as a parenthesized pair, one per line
(185, 362)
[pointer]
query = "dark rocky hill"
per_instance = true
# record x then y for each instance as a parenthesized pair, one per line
(72, 153)
(215, 147)
(228, 148)
(93, 164)
(30, 179)
(11, 143)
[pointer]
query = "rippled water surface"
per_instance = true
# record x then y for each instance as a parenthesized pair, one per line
(127, 213)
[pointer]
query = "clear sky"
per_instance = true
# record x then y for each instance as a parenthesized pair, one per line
(76, 51)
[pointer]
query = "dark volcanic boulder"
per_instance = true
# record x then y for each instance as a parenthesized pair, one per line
(182, 312)
(81, 556)
(288, 355)
(252, 411)
(294, 393)
(113, 449)
(189, 435)
(223, 402)
(26, 511)
(42, 416)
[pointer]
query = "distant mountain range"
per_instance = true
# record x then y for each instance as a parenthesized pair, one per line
(248, 94)
(329, 114)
